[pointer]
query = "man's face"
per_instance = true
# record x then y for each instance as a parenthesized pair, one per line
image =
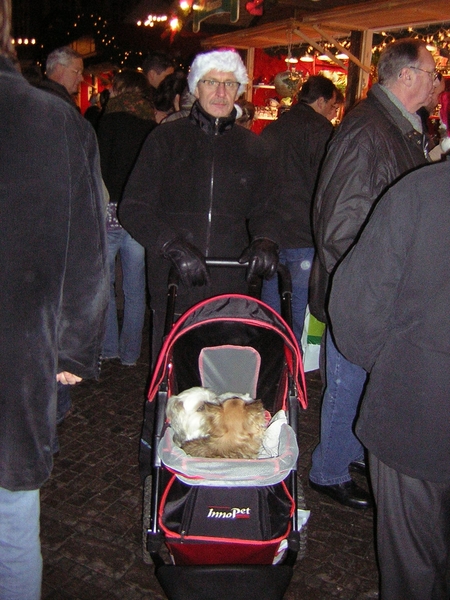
(155, 78)
(330, 108)
(69, 76)
(217, 92)
(423, 76)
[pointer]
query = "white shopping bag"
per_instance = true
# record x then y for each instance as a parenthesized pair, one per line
(311, 339)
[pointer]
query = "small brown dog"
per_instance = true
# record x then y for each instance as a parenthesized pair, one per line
(235, 429)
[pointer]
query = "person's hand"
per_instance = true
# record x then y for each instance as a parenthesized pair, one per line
(188, 261)
(262, 259)
(67, 378)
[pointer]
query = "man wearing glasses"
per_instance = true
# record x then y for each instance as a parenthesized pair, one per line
(196, 185)
(64, 73)
(378, 141)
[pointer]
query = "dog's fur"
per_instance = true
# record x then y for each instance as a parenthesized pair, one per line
(185, 413)
(216, 427)
(234, 430)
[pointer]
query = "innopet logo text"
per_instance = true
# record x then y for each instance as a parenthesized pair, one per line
(220, 512)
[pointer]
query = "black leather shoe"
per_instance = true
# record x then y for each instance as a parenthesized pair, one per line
(359, 466)
(348, 493)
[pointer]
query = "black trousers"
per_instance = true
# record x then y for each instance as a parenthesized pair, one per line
(413, 535)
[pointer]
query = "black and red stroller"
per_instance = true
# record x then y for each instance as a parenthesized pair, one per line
(227, 529)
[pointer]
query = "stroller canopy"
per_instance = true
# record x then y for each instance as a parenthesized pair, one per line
(189, 354)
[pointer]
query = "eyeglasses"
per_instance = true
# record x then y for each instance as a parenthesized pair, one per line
(433, 74)
(76, 71)
(214, 84)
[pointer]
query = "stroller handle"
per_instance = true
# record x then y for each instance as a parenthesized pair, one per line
(284, 284)
(283, 272)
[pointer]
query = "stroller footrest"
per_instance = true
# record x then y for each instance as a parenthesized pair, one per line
(222, 582)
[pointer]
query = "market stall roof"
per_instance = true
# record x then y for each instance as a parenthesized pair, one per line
(374, 15)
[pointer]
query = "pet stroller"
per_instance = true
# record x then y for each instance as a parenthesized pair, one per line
(226, 529)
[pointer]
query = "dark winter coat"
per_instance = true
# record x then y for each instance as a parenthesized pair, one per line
(297, 141)
(55, 88)
(202, 179)
(120, 137)
(373, 147)
(53, 269)
(389, 308)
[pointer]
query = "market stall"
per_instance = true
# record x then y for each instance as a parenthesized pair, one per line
(323, 33)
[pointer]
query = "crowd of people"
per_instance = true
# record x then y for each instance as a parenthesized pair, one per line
(166, 172)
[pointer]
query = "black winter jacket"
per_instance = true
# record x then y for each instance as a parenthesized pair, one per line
(53, 276)
(55, 88)
(297, 142)
(203, 179)
(120, 138)
(389, 308)
(373, 147)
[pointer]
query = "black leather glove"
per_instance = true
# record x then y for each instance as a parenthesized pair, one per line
(188, 261)
(262, 258)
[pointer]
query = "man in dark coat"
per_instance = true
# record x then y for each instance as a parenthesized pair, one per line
(53, 297)
(400, 335)
(298, 140)
(379, 140)
(63, 74)
(198, 184)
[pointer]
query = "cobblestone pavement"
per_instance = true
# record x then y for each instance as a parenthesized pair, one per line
(91, 506)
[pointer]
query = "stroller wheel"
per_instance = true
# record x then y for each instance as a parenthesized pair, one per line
(304, 530)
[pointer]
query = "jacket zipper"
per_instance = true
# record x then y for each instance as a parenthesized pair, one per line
(211, 193)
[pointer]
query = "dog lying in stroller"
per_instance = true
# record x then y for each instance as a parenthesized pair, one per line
(211, 426)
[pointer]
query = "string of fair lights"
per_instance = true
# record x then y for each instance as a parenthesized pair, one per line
(106, 45)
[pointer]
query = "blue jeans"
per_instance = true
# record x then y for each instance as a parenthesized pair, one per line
(127, 345)
(20, 547)
(338, 445)
(299, 261)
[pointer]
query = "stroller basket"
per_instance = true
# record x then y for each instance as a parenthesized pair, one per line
(238, 525)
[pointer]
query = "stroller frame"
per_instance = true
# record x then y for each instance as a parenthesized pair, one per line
(223, 581)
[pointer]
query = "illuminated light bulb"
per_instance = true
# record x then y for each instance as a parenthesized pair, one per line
(174, 23)
(184, 5)
(342, 56)
(307, 58)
